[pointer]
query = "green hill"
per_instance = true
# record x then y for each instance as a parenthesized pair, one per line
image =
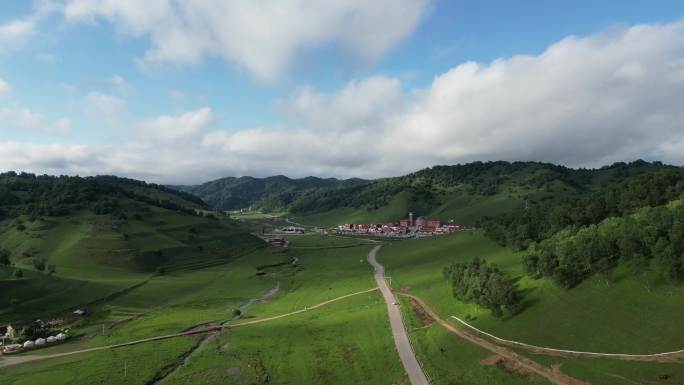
(76, 240)
(269, 194)
(463, 193)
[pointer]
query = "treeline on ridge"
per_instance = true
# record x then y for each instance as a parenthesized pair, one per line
(43, 195)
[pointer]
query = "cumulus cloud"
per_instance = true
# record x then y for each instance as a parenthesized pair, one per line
(262, 37)
(183, 126)
(101, 105)
(16, 33)
(584, 101)
(26, 119)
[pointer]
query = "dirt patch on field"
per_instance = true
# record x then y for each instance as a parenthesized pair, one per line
(556, 369)
(421, 314)
(554, 375)
(508, 366)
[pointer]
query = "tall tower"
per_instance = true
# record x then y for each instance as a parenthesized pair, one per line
(410, 219)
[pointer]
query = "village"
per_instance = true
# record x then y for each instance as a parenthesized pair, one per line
(406, 228)
(27, 335)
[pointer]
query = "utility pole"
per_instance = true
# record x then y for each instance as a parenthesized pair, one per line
(390, 281)
(103, 329)
(125, 368)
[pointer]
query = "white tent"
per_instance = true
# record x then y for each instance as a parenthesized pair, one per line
(62, 336)
(29, 344)
(12, 347)
(40, 342)
(51, 339)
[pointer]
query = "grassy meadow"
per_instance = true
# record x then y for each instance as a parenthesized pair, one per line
(619, 316)
(184, 298)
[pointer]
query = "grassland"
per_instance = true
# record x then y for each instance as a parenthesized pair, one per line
(141, 362)
(346, 343)
(98, 256)
(184, 298)
(618, 316)
(451, 360)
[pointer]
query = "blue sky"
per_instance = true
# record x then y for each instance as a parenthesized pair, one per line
(99, 85)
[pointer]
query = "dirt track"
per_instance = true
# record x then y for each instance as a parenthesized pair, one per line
(552, 374)
(675, 356)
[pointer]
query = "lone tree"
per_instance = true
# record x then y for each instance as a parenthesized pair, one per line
(5, 257)
(51, 269)
(39, 264)
(18, 273)
(237, 313)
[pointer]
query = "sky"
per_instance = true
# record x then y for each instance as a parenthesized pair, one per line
(187, 91)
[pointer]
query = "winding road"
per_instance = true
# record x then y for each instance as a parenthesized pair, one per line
(401, 340)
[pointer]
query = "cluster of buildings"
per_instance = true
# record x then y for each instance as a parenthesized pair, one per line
(290, 230)
(10, 342)
(406, 228)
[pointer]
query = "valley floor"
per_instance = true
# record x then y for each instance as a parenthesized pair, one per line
(311, 314)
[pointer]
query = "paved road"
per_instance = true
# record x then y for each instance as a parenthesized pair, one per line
(413, 369)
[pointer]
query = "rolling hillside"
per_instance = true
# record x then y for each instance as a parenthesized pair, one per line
(462, 193)
(270, 194)
(74, 240)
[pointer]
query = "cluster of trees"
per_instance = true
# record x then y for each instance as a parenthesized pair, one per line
(650, 243)
(43, 195)
(522, 227)
(484, 284)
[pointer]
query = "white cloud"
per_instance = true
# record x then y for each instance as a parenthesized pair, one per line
(585, 101)
(101, 105)
(17, 32)
(4, 87)
(26, 119)
(116, 82)
(181, 126)
(262, 37)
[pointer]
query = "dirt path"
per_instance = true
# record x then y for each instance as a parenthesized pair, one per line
(12, 360)
(675, 356)
(551, 374)
(401, 340)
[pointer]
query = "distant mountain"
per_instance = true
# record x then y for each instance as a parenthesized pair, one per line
(270, 194)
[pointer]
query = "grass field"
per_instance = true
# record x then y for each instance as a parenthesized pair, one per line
(451, 360)
(348, 342)
(98, 256)
(141, 362)
(620, 317)
(182, 299)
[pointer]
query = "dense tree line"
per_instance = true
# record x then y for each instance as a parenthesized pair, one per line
(540, 221)
(650, 243)
(427, 188)
(43, 195)
(484, 284)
